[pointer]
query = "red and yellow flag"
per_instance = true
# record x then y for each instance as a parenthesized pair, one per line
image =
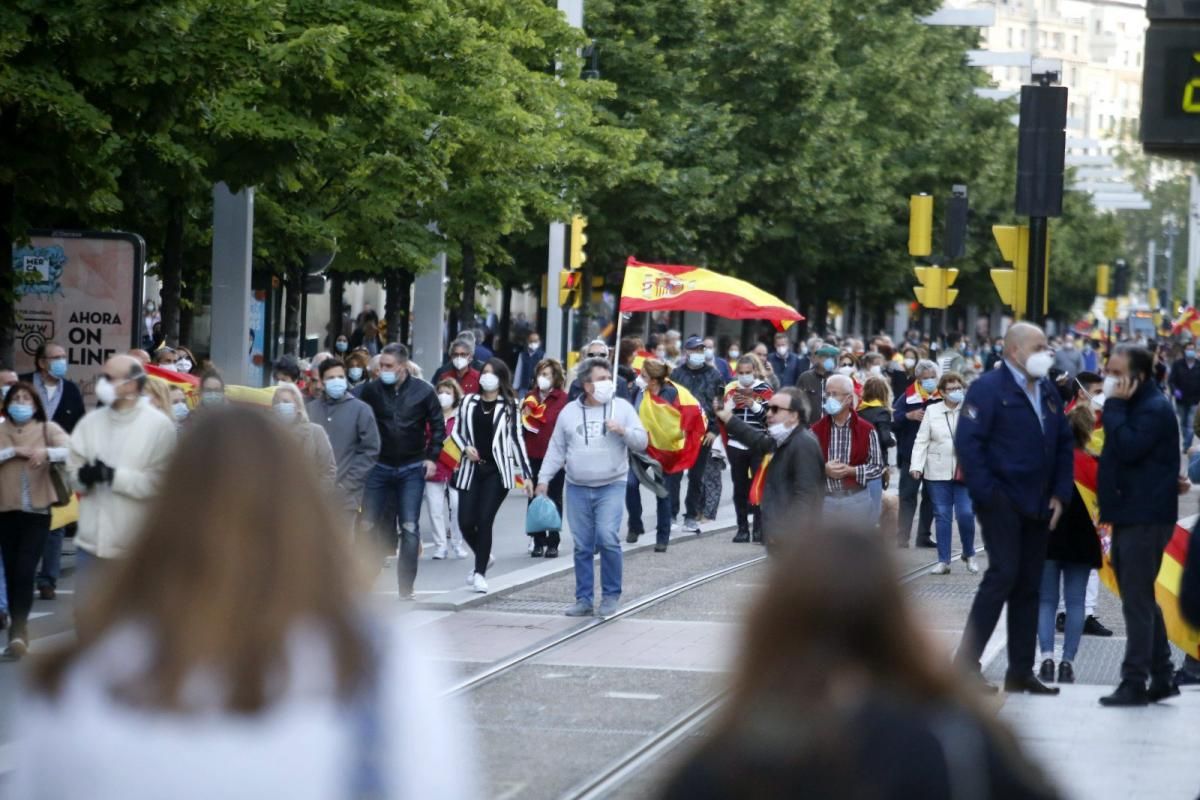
(451, 455)
(639, 358)
(760, 479)
(1189, 320)
(676, 428)
(671, 287)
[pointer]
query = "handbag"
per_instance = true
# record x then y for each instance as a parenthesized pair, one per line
(58, 477)
(542, 516)
(958, 471)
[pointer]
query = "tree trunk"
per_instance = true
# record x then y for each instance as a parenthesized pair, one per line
(505, 333)
(398, 284)
(187, 313)
(172, 269)
(8, 285)
(466, 313)
(291, 311)
(337, 321)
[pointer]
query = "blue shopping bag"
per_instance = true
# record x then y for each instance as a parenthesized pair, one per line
(542, 516)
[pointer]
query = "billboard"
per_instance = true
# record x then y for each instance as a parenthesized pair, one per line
(82, 290)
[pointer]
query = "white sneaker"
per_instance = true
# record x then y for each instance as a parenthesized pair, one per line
(491, 560)
(460, 551)
(691, 526)
(940, 569)
(440, 553)
(972, 565)
(478, 583)
(471, 578)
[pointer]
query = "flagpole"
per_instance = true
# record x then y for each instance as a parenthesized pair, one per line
(617, 342)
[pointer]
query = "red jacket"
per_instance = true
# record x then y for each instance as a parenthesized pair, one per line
(538, 419)
(468, 381)
(860, 442)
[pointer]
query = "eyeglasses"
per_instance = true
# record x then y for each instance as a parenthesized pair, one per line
(776, 409)
(597, 355)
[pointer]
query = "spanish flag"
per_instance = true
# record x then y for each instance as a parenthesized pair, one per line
(190, 384)
(639, 358)
(451, 455)
(1189, 320)
(533, 414)
(1170, 573)
(676, 425)
(670, 287)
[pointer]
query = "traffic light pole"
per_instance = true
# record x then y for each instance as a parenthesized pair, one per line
(1035, 292)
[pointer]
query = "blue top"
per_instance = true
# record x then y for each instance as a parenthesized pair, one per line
(1137, 482)
(1005, 456)
(787, 371)
(1034, 395)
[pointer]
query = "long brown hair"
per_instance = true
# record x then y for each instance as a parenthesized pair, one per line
(222, 573)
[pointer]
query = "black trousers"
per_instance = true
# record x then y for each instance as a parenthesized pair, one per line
(1137, 553)
(22, 539)
(910, 490)
(743, 465)
(551, 538)
(1016, 549)
(477, 509)
(695, 491)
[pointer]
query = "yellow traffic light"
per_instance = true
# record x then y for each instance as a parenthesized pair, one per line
(1012, 284)
(578, 240)
(920, 225)
(1103, 276)
(1153, 298)
(935, 291)
(569, 285)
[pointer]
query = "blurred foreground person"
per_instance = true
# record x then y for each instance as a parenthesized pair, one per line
(306, 696)
(839, 695)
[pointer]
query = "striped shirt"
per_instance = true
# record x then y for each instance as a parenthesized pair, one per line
(839, 450)
(508, 445)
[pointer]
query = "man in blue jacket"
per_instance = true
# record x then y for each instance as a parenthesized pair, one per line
(1138, 488)
(1015, 448)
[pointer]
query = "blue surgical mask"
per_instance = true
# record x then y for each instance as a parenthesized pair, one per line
(1189, 353)
(342, 347)
(212, 398)
(929, 385)
(828, 364)
(388, 377)
(21, 412)
(335, 388)
(956, 396)
(286, 411)
(695, 360)
(356, 373)
(58, 368)
(180, 410)
(832, 406)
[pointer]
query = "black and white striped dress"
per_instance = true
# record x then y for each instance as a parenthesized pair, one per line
(508, 445)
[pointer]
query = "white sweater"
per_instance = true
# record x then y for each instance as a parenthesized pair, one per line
(933, 453)
(592, 454)
(86, 744)
(137, 443)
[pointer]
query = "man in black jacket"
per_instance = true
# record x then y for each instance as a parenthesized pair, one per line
(63, 402)
(411, 432)
(793, 491)
(704, 382)
(1138, 486)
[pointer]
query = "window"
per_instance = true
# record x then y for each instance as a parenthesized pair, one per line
(1074, 44)
(1010, 37)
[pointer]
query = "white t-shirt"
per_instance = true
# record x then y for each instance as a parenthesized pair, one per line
(86, 744)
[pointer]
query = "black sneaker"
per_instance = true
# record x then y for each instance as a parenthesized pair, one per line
(1162, 690)
(925, 541)
(1066, 673)
(1093, 627)
(742, 536)
(660, 548)
(537, 552)
(1185, 678)
(632, 536)
(1046, 673)
(1060, 622)
(1129, 693)
(552, 552)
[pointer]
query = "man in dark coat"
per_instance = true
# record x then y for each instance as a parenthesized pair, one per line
(704, 382)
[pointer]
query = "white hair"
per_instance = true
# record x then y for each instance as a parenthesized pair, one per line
(925, 365)
(848, 386)
(294, 392)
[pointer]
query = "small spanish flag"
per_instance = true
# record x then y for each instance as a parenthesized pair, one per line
(451, 455)
(533, 414)
(1189, 320)
(676, 426)
(190, 384)
(760, 478)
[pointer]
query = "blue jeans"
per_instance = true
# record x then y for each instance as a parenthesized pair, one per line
(633, 504)
(594, 513)
(950, 500)
(1074, 586)
(51, 560)
(852, 510)
(3, 589)
(393, 501)
(875, 489)
(1186, 414)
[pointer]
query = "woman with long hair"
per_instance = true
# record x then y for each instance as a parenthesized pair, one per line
(29, 444)
(749, 393)
(440, 496)
(876, 408)
(212, 390)
(539, 413)
(231, 654)
(655, 381)
(839, 693)
(493, 462)
(288, 404)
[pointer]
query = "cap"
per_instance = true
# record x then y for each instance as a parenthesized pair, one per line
(694, 343)
(827, 350)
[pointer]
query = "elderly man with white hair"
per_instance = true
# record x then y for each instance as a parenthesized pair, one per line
(852, 454)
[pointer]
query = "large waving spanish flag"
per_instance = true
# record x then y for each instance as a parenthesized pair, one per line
(1170, 573)
(676, 427)
(190, 385)
(671, 287)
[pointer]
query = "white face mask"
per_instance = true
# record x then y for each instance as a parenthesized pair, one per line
(876, 369)
(533, 346)
(603, 391)
(909, 363)
(286, 411)
(460, 363)
(446, 399)
(1097, 402)
(544, 383)
(746, 380)
(641, 382)
(489, 382)
(846, 370)
(106, 391)
(1038, 364)
(1110, 385)
(709, 354)
(734, 354)
(779, 431)
(183, 365)
(169, 367)
(782, 350)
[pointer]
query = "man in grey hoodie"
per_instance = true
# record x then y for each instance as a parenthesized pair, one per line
(592, 439)
(350, 424)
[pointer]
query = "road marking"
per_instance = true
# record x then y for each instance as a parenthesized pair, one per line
(632, 696)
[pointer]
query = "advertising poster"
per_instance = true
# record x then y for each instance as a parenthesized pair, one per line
(255, 360)
(81, 290)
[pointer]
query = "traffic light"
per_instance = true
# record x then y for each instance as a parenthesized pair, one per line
(1102, 280)
(957, 211)
(935, 291)
(920, 225)
(1012, 283)
(1121, 278)
(570, 284)
(578, 240)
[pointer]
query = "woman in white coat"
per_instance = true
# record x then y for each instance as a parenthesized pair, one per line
(935, 460)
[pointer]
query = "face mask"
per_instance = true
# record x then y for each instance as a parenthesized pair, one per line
(106, 393)
(909, 363)
(929, 385)
(151, 308)
(708, 354)
(734, 354)
(996, 348)
(342, 347)
(459, 363)
(336, 387)
(828, 364)
(695, 360)
(746, 380)
(1189, 354)
(21, 412)
(1097, 402)
(956, 396)
(1110, 385)
(533, 346)
(603, 391)
(544, 383)
(356, 373)
(778, 431)
(4, 391)
(286, 411)
(846, 370)
(661, 355)
(446, 399)
(641, 382)
(1038, 364)
(170, 367)
(782, 350)
(388, 377)
(489, 382)
(832, 406)
(58, 368)
(180, 410)
(876, 369)
(212, 398)
(183, 365)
